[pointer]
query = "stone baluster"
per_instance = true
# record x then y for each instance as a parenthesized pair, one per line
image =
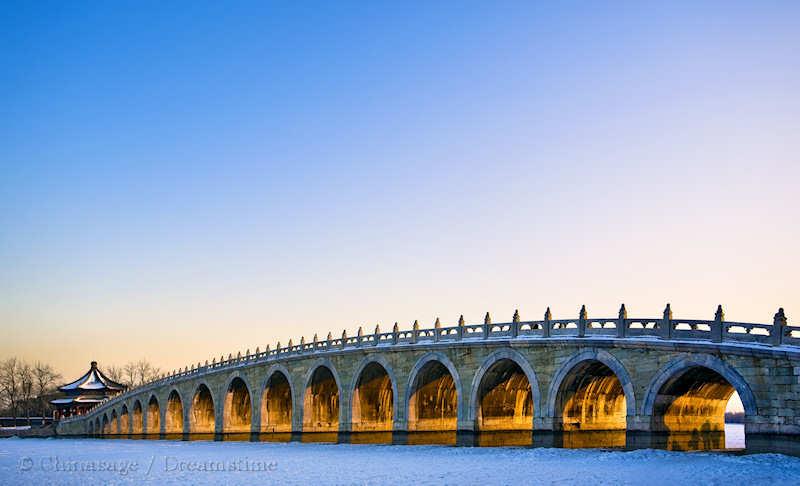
(266, 350)
(359, 336)
(487, 325)
(377, 337)
(582, 318)
(548, 323)
(622, 322)
(302, 343)
(779, 324)
(329, 342)
(666, 323)
(414, 332)
(515, 324)
(395, 333)
(437, 326)
(344, 338)
(460, 334)
(316, 341)
(717, 327)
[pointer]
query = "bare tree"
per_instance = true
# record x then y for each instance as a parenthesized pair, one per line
(145, 372)
(26, 387)
(9, 384)
(130, 374)
(116, 373)
(44, 381)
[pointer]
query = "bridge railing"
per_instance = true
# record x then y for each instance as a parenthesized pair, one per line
(779, 333)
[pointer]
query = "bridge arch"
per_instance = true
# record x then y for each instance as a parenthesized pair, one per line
(237, 410)
(124, 420)
(106, 428)
(202, 415)
(114, 422)
(591, 391)
(173, 415)
(434, 398)
(153, 425)
(277, 400)
(373, 392)
(505, 376)
(322, 398)
(90, 428)
(691, 393)
(137, 418)
(98, 429)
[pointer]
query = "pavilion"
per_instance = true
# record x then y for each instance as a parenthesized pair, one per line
(85, 392)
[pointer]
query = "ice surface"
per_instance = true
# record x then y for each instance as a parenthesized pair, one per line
(36, 461)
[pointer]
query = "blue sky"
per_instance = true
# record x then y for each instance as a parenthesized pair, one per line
(275, 170)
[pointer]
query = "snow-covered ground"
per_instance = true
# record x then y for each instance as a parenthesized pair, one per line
(95, 461)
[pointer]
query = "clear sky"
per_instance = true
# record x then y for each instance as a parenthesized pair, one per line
(181, 180)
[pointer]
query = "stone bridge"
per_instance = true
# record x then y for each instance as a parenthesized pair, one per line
(584, 374)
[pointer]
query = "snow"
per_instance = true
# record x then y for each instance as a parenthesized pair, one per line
(70, 461)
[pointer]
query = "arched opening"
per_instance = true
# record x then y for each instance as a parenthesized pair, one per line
(591, 397)
(505, 398)
(276, 405)
(98, 429)
(173, 420)
(106, 427)
(153, 417)
(321, 403)
(124, 420)
(137, 426)
(238, 411)
(433, 403)
(693, 400)
(202, 416)
(114, 425)
(373, 400)
(90, 430)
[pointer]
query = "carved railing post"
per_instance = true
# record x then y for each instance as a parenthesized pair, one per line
(779, 324)
(460, 334)
(316, 341)
(344, 338)
(622, 322)
(329, 342)
(359, 336)
(487, 325)
(437, 326)
(515, 324)
(377, 337)
(582, 317)
(717, 327)
(395, 333)
(414, 332)
(548, 318)
(665, 330)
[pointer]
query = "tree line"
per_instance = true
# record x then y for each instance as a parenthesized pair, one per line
(26, 389)
(133, 373)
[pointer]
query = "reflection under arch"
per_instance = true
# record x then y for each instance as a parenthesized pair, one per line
(591, 391)
(434, 395)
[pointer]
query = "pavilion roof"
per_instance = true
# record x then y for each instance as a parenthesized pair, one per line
(93, 380)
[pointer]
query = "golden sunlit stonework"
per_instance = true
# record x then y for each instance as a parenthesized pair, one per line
(604, 376)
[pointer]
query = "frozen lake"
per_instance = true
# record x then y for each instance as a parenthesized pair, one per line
(96, 461)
